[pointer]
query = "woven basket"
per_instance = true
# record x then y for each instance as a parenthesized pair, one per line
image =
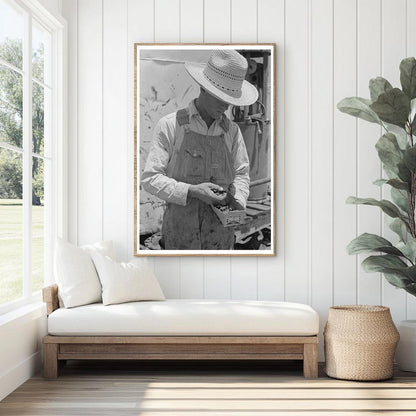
(360, 341)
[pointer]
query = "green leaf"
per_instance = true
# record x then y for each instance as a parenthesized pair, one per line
(390, 173)
(396, 271)
(389, 208)
(398, 184)
(410, 158)
(408, 77)
(392, 107)
(397, 280)
(410, 272)
(359, 107)
(400, 198)
(404, 173)
(381, 263)
(408, 249)
(402, 139)
(380, 182)
(366, 243)
(412, 116)
(412, 109)
(389, 151)
(400, 228)
(395, 183)
(411, 289)
(378, 86)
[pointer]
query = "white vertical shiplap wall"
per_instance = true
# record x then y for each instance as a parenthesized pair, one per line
(114, 122)
(326, 50)
(368, 164)
(321, 103)
(297, 136)
(70, 11)
(344, 152)
(90, 88)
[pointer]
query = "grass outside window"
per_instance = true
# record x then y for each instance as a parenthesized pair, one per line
(11, 249)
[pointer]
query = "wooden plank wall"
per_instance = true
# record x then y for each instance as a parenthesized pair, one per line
(326, 50)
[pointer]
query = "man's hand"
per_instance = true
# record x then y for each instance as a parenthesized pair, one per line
(208, 192)
(231, 201)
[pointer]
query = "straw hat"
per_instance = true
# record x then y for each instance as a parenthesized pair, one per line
(223, 76)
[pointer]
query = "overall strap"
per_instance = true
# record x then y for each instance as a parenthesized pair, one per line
(183, 120)
(182, 117)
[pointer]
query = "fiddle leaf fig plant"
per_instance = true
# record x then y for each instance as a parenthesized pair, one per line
(394, 109)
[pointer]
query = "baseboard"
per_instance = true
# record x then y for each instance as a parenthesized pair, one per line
(10, 380)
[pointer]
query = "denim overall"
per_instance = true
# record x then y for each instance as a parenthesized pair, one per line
(198, 159)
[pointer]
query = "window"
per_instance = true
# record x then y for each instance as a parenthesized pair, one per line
(31, 142)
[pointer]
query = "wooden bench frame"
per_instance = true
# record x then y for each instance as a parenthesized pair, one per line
(58, 349)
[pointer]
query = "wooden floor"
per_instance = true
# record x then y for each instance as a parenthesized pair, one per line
(192, 389)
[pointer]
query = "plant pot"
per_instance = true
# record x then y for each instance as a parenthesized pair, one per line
(360, 341)
(406, 349)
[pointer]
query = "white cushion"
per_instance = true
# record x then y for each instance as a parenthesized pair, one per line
(103, 247)
(126, 282)
(187, 317)
(75, 273)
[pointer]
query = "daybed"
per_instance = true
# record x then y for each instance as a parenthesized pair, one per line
(181, 329)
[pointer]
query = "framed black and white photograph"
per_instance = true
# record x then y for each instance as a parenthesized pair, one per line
(204, 149)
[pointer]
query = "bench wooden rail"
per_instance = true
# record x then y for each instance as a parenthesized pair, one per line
(58, 349)
(50, 297)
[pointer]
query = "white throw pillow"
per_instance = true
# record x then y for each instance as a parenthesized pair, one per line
(103, 247)
(75, 273)
(126, 282)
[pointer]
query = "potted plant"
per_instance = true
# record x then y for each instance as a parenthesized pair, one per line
(394, 109)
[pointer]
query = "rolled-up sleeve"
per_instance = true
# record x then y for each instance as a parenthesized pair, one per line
(154, 179)
(241, 169)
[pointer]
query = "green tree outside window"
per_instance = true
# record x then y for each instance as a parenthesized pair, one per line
(11, 116)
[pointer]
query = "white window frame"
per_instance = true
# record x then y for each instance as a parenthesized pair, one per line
(58, 211)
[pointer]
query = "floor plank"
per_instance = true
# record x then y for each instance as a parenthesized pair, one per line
(222, 389)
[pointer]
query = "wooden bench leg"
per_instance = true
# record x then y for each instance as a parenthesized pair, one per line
(310, 360)
(50, 360)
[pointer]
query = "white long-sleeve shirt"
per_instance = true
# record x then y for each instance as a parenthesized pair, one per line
(156, 175)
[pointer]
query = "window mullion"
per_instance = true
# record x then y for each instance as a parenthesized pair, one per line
(27, 157)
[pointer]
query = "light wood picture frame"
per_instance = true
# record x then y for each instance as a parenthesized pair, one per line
(163, 85)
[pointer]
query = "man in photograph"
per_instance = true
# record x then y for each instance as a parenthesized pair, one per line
(198, 157)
